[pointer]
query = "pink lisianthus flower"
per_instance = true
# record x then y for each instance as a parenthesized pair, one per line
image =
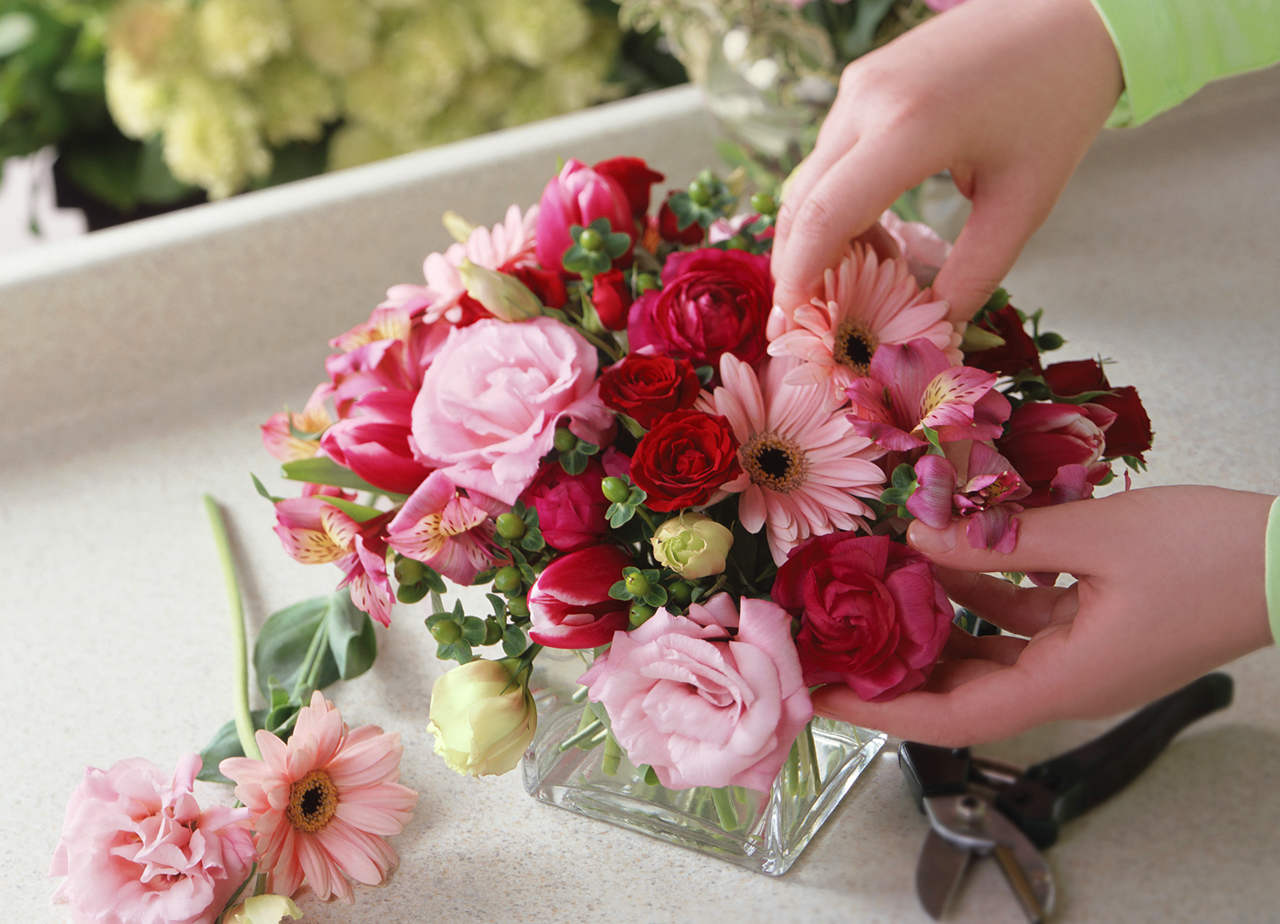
(912, 386)
(314, 532)
(490, 403)
(578, 196)
(444, 530)
(872, 613)
(803, 469)
(702, 704)
(323, 803)
(985, 495)
(374, 442)
(280, 432)
(569, 603)
(136, 848)
(868, 301)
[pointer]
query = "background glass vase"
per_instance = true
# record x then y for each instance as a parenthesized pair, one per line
(764, 832)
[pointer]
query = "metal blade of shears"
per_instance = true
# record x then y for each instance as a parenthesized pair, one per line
(938, 872)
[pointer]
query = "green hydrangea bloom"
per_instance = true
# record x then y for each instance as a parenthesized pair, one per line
(534, 34)
(237, 36)
(138, 101)
(357, 143)
(295, 101)
(339, 36)
(155, 35)
(211, 137)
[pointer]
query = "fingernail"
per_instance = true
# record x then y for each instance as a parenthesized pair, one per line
(931, 541)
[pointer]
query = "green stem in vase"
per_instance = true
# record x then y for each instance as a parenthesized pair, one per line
(791, 770)
(725, 809)
(612, 757)
(239, 642)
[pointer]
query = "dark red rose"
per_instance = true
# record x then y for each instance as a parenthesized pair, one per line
(611, 297)
(711, 302)
(872, 613)
(569, 603)
(1019, 353)
(1042, 438)
(634, 176)
(683, 459)
(571, 508)
(669, 227)
(546, 284)
(1130, 433)
(644, 387)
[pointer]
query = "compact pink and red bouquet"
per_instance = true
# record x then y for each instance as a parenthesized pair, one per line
(597, 409)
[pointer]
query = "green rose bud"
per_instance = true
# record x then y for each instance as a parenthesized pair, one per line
(481, 720)
(510, 526)
(692, 545)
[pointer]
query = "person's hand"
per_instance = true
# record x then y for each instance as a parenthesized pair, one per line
(1169, 586)
(1006, 94)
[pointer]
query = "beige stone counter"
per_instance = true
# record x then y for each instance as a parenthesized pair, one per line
(139, 362)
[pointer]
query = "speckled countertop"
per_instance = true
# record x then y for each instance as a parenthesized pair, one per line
(139, 362)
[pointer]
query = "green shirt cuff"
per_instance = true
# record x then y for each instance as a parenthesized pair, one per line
(1169, 49)
(1273, 569)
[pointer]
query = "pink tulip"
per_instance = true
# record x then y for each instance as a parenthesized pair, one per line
(1044, 437)
(578, 196)
(375, 445)
(569, 604)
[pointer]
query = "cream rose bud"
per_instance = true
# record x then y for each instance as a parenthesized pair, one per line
(692, 545)
(482, 718)
(503, 296)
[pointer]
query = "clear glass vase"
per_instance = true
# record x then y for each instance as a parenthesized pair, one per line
(764, 832)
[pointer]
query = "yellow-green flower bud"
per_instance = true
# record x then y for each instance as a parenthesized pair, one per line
(263, 909)
(692, 545)
(503, 296)
(482, 720)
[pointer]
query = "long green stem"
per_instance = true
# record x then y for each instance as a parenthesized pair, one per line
(723, 800)
(240, 645)
(309, 672)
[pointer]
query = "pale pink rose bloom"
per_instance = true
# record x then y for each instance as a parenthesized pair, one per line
(702, 705)
(923, 248)
(323, 803)
(491, 402)
(804, 470)
(507, 245)
(136, 848)
(867, 302)
(444, 530)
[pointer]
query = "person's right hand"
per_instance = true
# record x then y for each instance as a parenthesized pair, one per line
(1006, 94)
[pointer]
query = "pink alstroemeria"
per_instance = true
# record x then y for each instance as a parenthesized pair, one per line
(279, 433)
(444, 530)
(913, 386)
(375, 443)
(985, 495)
(315, 532)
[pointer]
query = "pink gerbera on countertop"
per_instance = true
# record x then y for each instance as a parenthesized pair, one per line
(803, 468)
(323, 803)
(867, 302)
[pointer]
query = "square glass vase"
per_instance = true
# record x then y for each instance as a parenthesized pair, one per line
(764, 832)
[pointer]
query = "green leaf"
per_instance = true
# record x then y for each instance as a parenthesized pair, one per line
(353, 641)
(513, 641)
(620, 514)
(358, 512)
(262, 489)
(284, 641)
(323, 470)
(225, 743)
(619, 591)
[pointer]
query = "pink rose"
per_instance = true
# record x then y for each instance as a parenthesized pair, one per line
(569, 603)
(571, 508)
(700, 703)
(873, 615)
(137, 848)
(375, 444)
(578, 196)
(491, 401)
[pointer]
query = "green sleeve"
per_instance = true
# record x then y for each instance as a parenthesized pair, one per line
(1169, 49)
(1273, 569)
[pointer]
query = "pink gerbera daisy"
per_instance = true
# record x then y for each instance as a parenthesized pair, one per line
(867, 302)
(803, 468)
(322, 803)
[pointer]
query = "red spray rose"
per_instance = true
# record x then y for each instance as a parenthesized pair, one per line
(1130, 433)
(569, 604)
(634, 176)
(646, 387)
(611, 297)
(711, 302)
(1019, 352)
(872, 613)
(1042, 438)
(670, 230)
(684, 458)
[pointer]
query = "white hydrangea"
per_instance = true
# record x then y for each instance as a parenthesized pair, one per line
(211, 137)
(534, 34)
(339, 36)
(294, 100)
(356, 143)
(155, 35)
(237, 36)
(138, 102)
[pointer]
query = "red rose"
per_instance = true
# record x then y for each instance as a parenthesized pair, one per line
(1130, 433)
(634, 176)
(711, 302)
(571, 508)
(611, 297)
(1042, 438)
(569, 603)
(1019, 353)
(644, 387)
(683, 459)
(872, 613)
(669, 227)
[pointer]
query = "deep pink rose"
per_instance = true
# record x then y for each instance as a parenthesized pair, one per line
(872, 613)
(578, 196)
(136, 848)
(700, 703)
(375, 443)
(1043, 437)
(491, 402)
(569, 603)
(571, 508)
(711, 302)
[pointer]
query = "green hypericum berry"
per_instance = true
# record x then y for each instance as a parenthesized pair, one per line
(591, 240)
(409, 571)
(565, 440)
(446, 632)
(492, 631)
(738, 242)
(518, 607)
(647, 281)
(764, 204)
(681, 593)
(409, 594)
(699, 192)
(510, 526)
(507, 580)
(640, 614)
(615, 489)
(637, 584)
